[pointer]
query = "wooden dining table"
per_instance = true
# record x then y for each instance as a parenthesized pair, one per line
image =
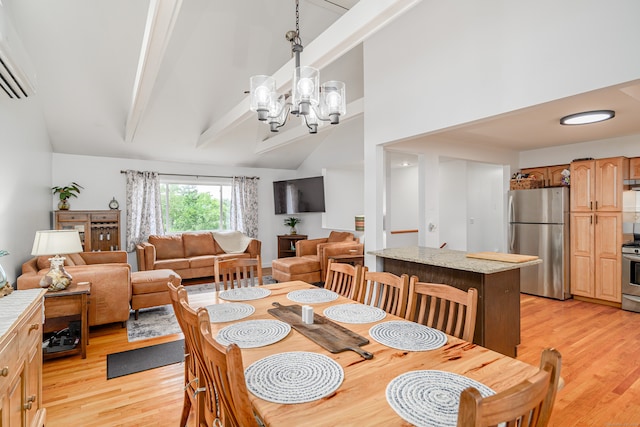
(361, 399)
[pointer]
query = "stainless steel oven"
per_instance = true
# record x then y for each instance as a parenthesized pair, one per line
(631, 276)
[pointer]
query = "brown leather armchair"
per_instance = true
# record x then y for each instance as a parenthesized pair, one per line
(312, 257)
(108, 272)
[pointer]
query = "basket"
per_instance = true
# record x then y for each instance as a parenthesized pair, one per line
(526, 184)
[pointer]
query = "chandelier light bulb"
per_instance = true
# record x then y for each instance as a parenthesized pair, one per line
(305, 86)
(333, 101)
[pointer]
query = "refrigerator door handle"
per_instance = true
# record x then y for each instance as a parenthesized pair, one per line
(511, 224)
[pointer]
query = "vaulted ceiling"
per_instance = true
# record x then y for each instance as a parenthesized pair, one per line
(194, 59)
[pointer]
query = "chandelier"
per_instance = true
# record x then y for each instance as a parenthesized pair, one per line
(308, 100)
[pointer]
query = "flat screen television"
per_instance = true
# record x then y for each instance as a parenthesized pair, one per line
(299, 195)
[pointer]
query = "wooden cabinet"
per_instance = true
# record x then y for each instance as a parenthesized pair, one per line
(596, 227)
(597, 185)
(550, 175)
(99, 230)
(596, 259)
(287, 244)
(634, 168)
(21, 361)
(63, 307)
(554, 175)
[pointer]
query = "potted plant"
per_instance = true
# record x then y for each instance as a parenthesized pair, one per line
(291, 222)
(71, 190)
(5, 288)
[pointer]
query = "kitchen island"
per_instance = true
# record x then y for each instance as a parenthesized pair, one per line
(497, 282)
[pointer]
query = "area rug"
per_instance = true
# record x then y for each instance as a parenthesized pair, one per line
(142, 359)
(158, 321)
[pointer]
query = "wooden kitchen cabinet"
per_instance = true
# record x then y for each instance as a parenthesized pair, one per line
(21, 362)
(597, 185)
(554, 175)
(550, 175)
(634, 168)
(596, 239)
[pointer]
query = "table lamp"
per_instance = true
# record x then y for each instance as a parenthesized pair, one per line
(56, 242)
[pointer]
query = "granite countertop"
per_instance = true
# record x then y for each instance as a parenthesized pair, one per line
(12, 306)
(450, 259)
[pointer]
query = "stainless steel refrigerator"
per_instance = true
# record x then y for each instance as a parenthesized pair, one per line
(539, 225)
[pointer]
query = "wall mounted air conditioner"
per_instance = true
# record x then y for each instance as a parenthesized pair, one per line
(16, 72)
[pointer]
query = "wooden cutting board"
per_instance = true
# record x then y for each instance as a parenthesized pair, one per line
(323, 331)
(498, 256)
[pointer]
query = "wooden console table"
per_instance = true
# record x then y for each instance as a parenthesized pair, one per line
(63, 307)
(349, 259)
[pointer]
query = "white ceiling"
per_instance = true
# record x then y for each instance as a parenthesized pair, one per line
(86, 54)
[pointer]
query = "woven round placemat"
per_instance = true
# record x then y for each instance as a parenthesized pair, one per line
(219, 313)
(244, 294)
(430, 398)
(310, 296)
(354, 313)
(409, 336)
(253, 333)
(294, 377)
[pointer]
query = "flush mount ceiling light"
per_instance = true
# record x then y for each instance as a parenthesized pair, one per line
(308, 99)
(587, 117)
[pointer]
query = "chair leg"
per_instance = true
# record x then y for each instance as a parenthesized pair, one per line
(136, 315)
(186, 409)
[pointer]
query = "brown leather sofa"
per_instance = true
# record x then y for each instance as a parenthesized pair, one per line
(190, 255)
(312, 257)
(108, 272)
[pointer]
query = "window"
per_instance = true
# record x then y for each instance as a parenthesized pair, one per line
(189, 205)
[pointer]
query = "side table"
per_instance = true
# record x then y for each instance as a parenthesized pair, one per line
(63, 307)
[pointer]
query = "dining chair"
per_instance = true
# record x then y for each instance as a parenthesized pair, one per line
(384, 290)
(225, 373)
(238, 273)
(527, 404)
(443, 307)
(206, 395)
(192, 399)
(343, 279)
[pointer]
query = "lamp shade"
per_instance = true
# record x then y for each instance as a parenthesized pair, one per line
(56, 242)
(359, 222)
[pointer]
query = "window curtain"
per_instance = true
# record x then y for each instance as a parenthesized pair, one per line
(144, 213)
(244, 205)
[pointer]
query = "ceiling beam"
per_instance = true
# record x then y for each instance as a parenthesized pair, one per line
(360, 22)
(161, 20)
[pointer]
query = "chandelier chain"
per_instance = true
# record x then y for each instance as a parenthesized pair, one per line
(298, 19)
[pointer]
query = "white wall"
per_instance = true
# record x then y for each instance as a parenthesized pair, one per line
(467, 60)
(102, 180)
(453, 196)
(485, 208)
(25, 152)
(402, 206)
(344, 198)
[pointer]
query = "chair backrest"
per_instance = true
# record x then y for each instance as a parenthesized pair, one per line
(443, 307)
(343, 279)
(225, 370)
(193, 343)
(384, 290)
(238, 273)
(526, 404)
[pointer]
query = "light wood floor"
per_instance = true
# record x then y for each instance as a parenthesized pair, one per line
(600, 348)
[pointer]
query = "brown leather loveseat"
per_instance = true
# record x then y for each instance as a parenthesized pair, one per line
(190, 255)
(108, 272)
